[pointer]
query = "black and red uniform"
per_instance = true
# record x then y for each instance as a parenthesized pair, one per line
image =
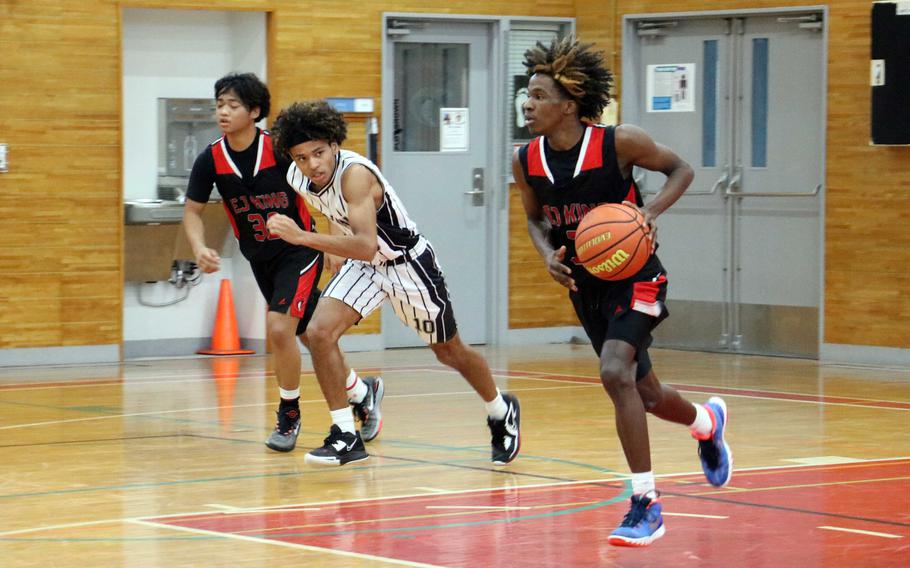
(253, 186)
(567, 185)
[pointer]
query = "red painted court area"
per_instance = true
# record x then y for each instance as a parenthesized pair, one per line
(854, 514)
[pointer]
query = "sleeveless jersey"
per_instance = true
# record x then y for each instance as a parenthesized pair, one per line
(249, 200)
(395, 231)
(596, 179)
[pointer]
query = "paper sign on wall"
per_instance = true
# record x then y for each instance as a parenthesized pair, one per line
(671, 87)
(453, 129)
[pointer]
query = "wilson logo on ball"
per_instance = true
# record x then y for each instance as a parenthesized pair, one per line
(611, 264)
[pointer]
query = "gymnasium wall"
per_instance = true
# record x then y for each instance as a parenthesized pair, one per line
(867, 202)
(62, 243)
(61, 248)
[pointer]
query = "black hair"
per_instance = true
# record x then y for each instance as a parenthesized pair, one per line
(249, 89)
(306, 121)
(577, 70)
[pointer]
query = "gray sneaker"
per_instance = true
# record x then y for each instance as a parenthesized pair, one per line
(368, 410)
(284, 436)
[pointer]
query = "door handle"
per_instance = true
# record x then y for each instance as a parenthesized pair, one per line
(476, 192)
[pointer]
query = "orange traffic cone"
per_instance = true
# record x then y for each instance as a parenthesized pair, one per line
(225, 340)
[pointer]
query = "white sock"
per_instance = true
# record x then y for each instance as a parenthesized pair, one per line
(289, 394)
(703, 426)
(642, 483)
(343, 418)
(357, 389)
(497, 408)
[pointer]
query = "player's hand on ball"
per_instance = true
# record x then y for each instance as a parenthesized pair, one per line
(650, 223)
(559, 271)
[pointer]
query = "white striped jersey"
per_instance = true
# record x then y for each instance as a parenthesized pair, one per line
(395, 231)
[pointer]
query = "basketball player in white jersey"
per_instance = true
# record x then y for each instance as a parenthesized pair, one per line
(387, 258)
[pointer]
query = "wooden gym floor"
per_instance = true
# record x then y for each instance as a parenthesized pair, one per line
(162, 463)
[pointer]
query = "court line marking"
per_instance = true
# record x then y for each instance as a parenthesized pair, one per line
(286, 544)
(204, 514)
(724, 490)
(718, 389)
(666, 514)
(858, 531)
(434, 490)
(231, 510)
(479, 507)
(253, 405)
(62, 526)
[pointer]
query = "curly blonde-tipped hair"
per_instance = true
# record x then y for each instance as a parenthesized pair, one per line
(577, 69)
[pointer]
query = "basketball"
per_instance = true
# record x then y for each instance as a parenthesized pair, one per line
(612, 241)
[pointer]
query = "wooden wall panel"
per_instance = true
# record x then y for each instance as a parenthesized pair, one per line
(866, 204)
(61, 98)
(535, 299)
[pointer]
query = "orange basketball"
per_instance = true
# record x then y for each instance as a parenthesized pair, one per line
(612, 241)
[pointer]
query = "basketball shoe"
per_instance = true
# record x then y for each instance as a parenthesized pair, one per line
(506, 433)
(643, 524)
(284, 436)
(338, 448)
(368, 410)
(716, 457)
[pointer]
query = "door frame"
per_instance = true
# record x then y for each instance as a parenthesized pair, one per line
(631, 100)
(499, 151)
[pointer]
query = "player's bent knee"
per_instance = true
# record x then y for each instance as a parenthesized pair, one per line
(615, 374)
(320, 335)
(447, 353)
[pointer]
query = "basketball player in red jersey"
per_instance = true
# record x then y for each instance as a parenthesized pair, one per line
(571, 167)
(252, 183)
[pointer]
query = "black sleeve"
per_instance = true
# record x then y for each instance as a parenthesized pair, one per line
(202, 177)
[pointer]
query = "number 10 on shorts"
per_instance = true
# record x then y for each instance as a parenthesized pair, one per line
(425, 326)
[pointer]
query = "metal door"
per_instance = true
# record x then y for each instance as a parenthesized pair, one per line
(742, 246)
(437, 92)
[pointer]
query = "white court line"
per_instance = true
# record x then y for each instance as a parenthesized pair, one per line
(857, 531)
(209, 408)
(287, 544)
(63, 526)
(548, 376)
(824, 460)
(407, 496)
(666, 514)
(231, 510)
(433, 490)
(481, 507)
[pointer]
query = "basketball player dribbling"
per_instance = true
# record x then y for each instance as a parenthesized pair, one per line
(388, 259)
(571, 167)
(251, 181)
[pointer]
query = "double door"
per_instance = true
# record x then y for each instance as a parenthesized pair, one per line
(742, 99)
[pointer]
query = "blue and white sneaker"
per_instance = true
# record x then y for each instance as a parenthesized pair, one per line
(716, 457)
(643, 524)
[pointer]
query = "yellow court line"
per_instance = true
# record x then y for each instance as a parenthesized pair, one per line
(798, 486)
(858, 531)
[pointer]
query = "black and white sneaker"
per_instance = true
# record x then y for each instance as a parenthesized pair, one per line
(284, 436)
(506, 439)
(338, 448)
(368, 410)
